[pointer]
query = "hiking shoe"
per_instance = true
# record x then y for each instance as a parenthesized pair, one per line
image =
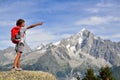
(19, 69)
(16, 69)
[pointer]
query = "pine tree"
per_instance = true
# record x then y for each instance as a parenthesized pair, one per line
(78, 77)
(105, 73)
(89, 75)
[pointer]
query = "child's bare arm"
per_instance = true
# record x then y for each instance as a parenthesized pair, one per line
(34, 25)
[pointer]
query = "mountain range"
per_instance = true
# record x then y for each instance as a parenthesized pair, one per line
(69, 57)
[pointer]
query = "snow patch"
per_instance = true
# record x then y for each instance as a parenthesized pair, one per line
(40, 46)
(88, 56)
(84, 29)
(80, 40)
(56, 43)
(95, 37)
(75, 63)
(68, 46)
(101, 62)
(72, 48)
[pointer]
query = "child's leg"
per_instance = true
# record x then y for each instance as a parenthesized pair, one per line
(17, 59)
(18, 63)
(19, 49)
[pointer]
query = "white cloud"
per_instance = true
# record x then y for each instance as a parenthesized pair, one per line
(17, 6)
(66, 35)
(107, 5)
(35, 37)
(92, 10)
(7, 23)
(5, 44)
(17, 9)
(104, 6)
(97, 20)
(116, 35)
(39, 36)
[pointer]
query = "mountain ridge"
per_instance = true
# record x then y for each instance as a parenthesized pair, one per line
(73, 54)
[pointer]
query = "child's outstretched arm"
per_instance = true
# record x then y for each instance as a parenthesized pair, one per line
(34, 25)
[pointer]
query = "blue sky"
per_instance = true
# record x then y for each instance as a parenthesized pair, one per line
(61, 18)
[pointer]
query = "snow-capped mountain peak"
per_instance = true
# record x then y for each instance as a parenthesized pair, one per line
(77, 46)
(84, 30)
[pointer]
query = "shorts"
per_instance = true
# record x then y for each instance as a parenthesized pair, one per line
(19, 47)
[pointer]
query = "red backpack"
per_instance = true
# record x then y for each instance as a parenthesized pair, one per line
(15, 34)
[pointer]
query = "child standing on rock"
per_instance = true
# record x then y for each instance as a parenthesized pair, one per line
(18, 38)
